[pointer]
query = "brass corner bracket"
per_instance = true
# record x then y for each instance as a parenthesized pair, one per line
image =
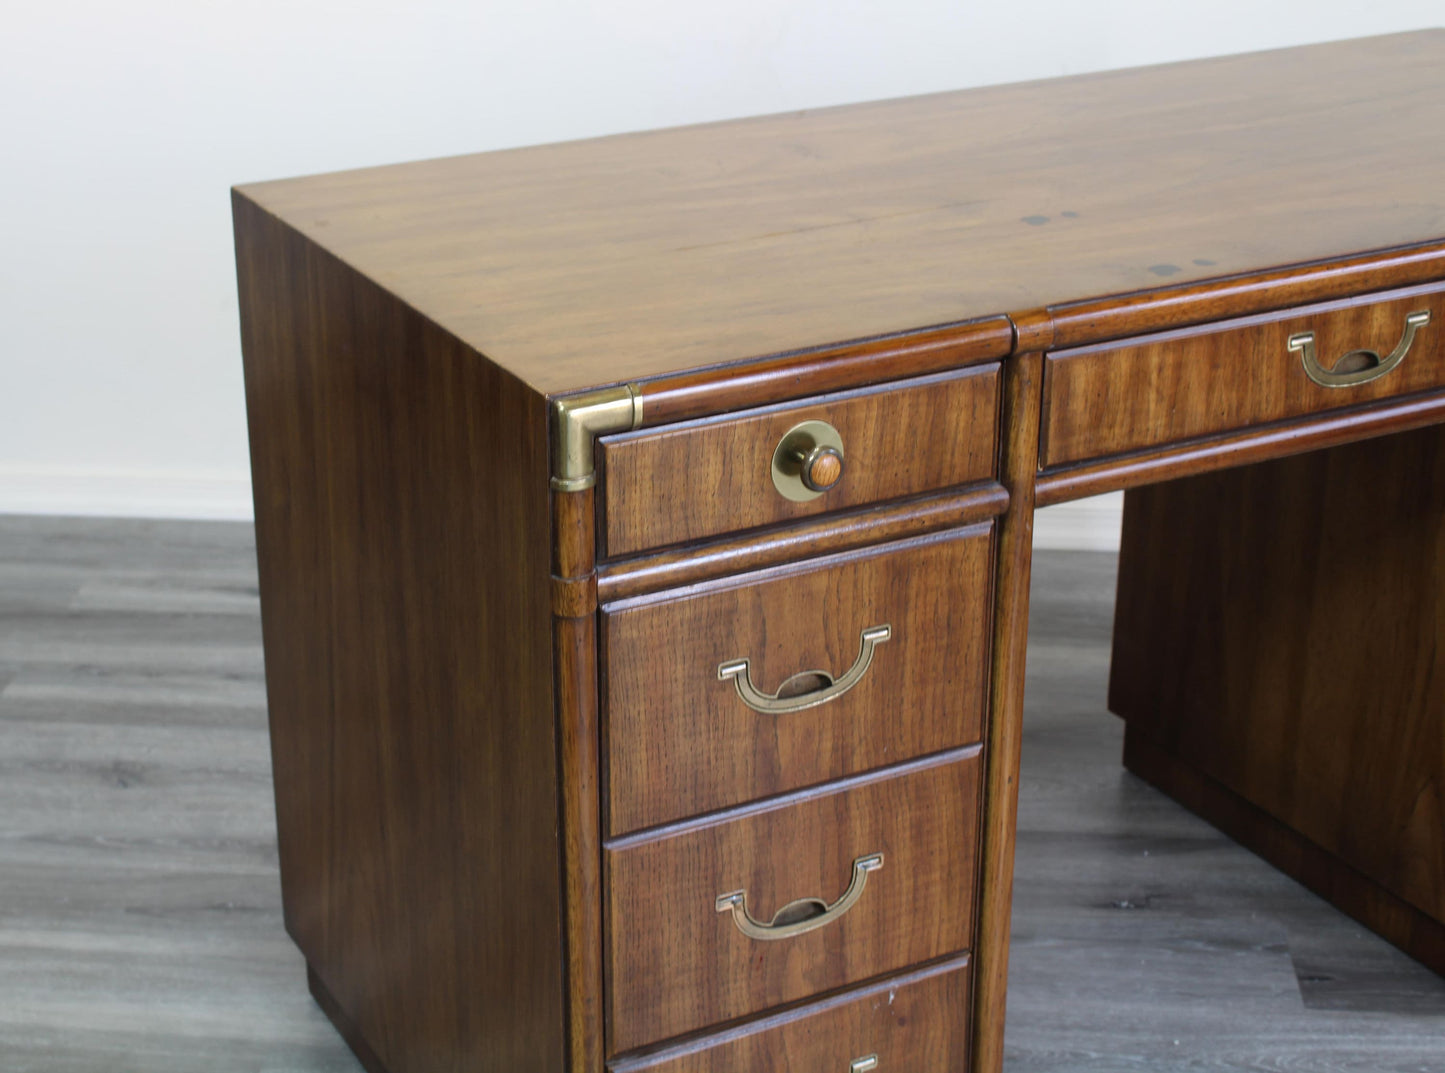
(579, 419)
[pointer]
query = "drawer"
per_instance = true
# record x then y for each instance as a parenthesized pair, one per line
(1179, 385)
(679, 958)
(912, 1024)
(703, 478)
(687, 730)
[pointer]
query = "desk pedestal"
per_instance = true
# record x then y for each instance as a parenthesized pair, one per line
(1279, 656)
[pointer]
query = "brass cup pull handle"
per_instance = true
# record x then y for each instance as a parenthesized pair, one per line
(787, 698)
(1358, 366)
(803, 915)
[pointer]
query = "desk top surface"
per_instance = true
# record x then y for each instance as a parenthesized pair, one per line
(642, 255)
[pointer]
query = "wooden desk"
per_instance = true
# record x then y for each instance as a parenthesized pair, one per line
(644, 534)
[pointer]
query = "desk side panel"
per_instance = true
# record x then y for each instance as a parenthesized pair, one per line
(402, 540)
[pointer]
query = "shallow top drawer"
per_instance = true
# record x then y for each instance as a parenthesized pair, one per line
(1139, 393)
(718, 475)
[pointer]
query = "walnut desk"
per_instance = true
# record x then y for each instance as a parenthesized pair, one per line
(644, 536)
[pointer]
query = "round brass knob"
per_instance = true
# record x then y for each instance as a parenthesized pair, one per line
(808, 461)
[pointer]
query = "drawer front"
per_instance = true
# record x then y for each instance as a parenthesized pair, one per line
(913, 1024)
(704, 478)
(681, 740)
(677, 962)
(1160, 389)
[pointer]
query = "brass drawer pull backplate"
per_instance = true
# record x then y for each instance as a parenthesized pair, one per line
(1358, 366)
(786, 699)
(803, 915)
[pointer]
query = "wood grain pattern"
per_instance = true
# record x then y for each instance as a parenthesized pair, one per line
(648, 254)
(681, 742)
(715, 476)
(915, 1022)
(1116, 316)
(675, 964)
(1241, 448)
(1121, 397)
(409, 666)
(574, 640)
(1304, 677)
(1023, 389)
(814, 371)
(823, 471)
(840, 531)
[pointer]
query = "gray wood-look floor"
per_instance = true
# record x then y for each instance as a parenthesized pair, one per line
(140, 922)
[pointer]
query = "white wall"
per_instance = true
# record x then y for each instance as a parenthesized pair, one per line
(123, 125)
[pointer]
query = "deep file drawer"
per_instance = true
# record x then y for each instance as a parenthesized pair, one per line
(771, 904)
(756, 685)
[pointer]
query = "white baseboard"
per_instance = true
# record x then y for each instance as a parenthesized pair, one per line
(1087, 524)
(1083, 525)
(124, 493)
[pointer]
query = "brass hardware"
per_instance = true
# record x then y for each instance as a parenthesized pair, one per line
(863, 1065)
(579, 419)
(784, 700)
(1375, 366)
(791, 920)
(801, 447)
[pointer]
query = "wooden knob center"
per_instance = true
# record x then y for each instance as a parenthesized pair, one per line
(823, 468)
(807, 461)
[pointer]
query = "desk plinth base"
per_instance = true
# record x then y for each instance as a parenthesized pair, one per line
(1279, 656)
